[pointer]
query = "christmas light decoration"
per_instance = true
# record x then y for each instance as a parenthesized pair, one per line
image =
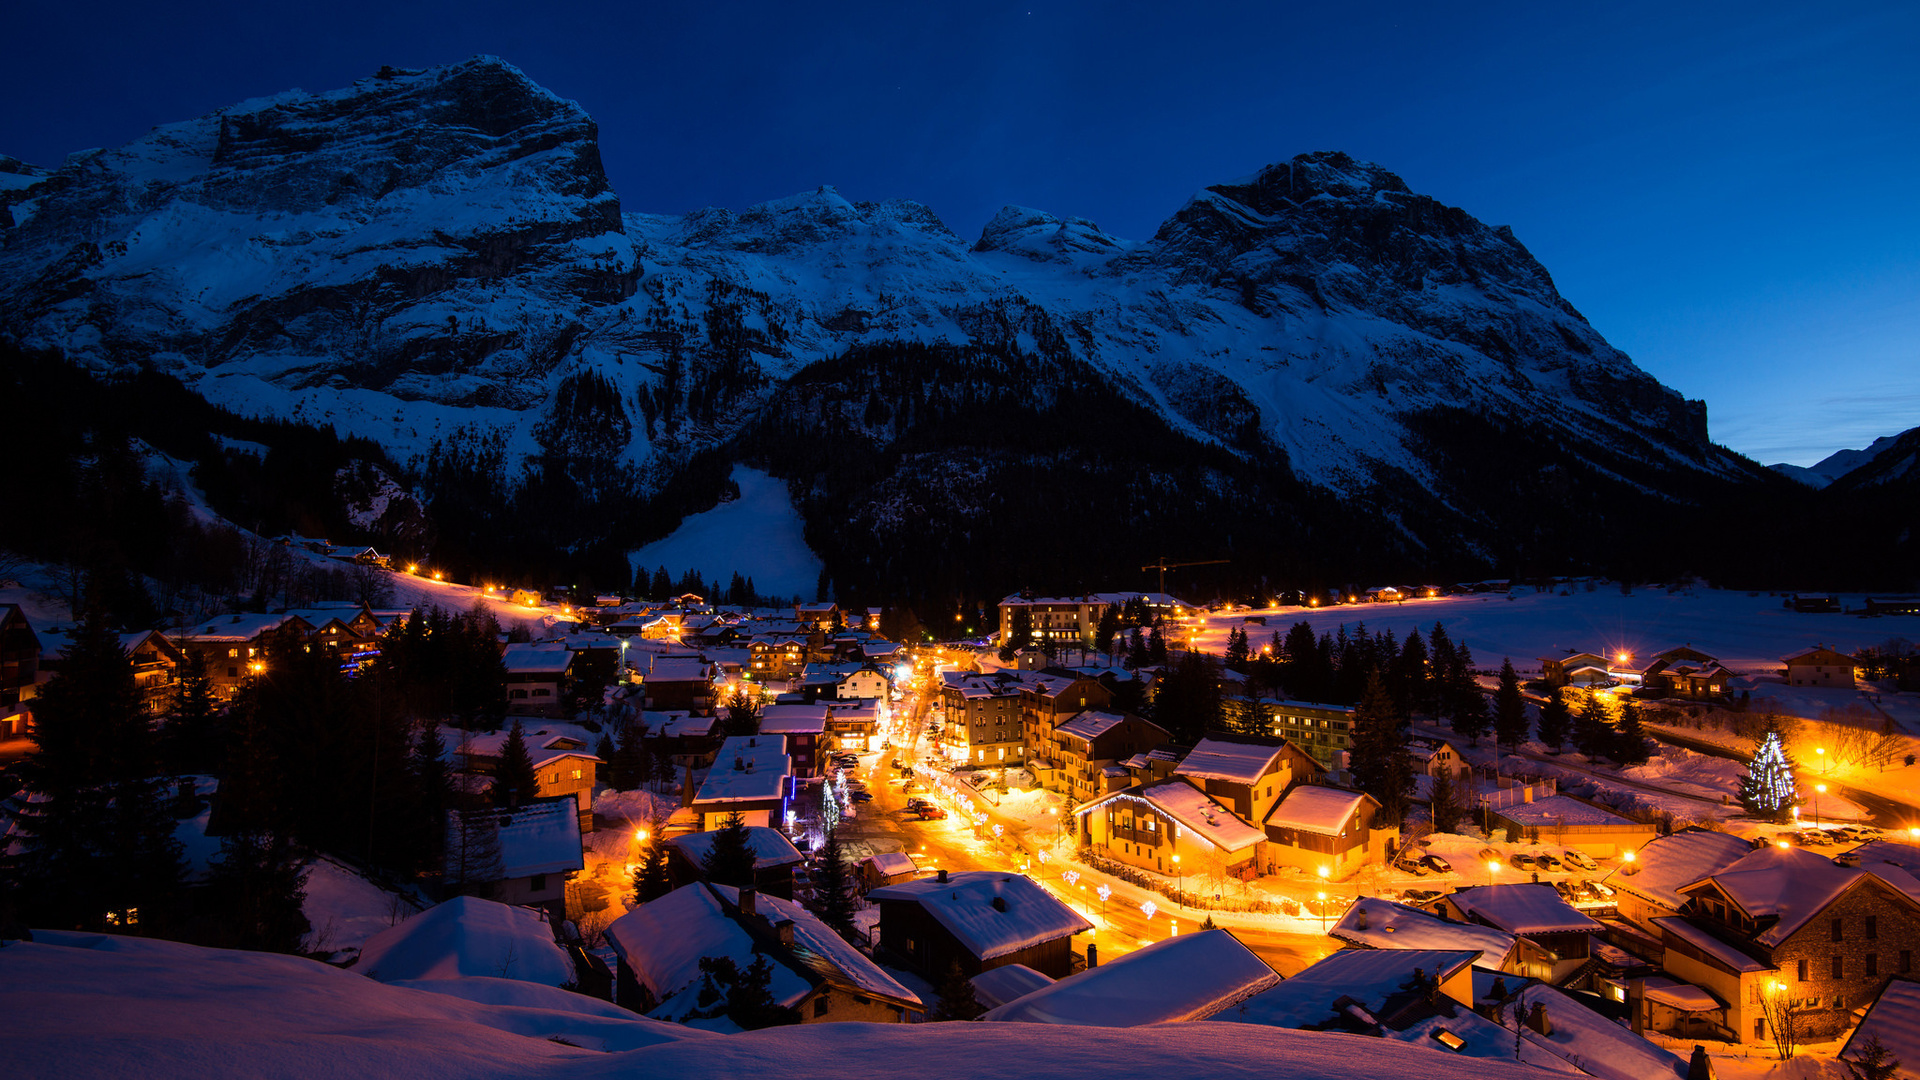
(1768, 791)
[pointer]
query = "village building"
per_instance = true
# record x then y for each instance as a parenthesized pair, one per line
(1566, 821)
(1324, 731)
(680, 683)
(1075, 759)
(774, 859)
(19, 668)
(1248, 774)
(1437, 757)
(1326, 830)
(1183, 978)
(1647, 886)
(1532, 911)
(1819, 666)
(1047, 699)
(235, 648)
(538, 679)
(821, 617)
(689, 742)
(851, 725)
(156, 669)
(805, 729)
(995, 987)
(562, 764)
(469, 936)
(1894, 1020)
(1173, 829)
(976, 919)
(816, 974)
(1575, 669)
(1685, 672)
(539, 847)
(751, 776)
(982, 718)
(884, 868)
(1373, 923)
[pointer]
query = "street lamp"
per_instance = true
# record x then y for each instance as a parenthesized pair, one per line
(1822, 752)
(1179, 879)
(1818, 790)
(1493, 867)
(1323, 911)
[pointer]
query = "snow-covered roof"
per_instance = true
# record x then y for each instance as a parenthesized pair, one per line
(468, 936)
(663, 941)
(1522, 908)
(1894, 1017)
(1090, 724)
(793, 720)
(1663, 865)
(1561, 810)
(1187, 977)
(1596, 1045)
(542, 837)
(770, 847)
(892, 862)
(1905, 856)
(1680, 995)
(747, 768)
(1223, 759)
(1315, 809)
(995, 987)
(1377, 981)
(679, 669)
(1396, 926)
(1793, 885)
(965, 905)
(1684, 929)
(542, 746)
(678, 724)
(544, 658)
(236, 628)
(1193, 810)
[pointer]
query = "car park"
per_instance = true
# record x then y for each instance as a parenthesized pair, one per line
(1580, 859)
(932, 813)
(1547, 862)
(1522, 861)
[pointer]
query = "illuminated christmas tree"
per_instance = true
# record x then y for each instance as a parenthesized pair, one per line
(1768, 790)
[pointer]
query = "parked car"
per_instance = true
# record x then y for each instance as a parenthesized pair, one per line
(1847, 858)
(932, 813)
(1547, 862)
(1601, 889)
(1411, 866)
(1436, 864)
(1416, 897)
(862, 796)
(1522, 861)
(1488, 855)
(1567, 892)
(1579, 858)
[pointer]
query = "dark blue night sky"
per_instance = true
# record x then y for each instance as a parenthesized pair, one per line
(1729, 191)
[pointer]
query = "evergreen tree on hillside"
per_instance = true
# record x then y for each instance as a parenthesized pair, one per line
(98, 845)
(743, 714)
(1238, 652)
(1137, 654)
(1555, 721)
(257, 883)
(1592, 731)
(730, 860)
(1019, 633)
(473, 852)
(514, 781)
(1380, 758)
(1187, 699)
(1411, 678)
(434, 787)
(661, 586)
(650, 880)
(1629, 736)
(833, 892)
(1156, 645)
(957, 1000)
(1104, 633)
(191, 736)
(1509, 708)
(1446, 802)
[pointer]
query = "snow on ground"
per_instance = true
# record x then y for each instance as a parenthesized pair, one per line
(1748, 634)
(759, 535)
(345, 909)
(468, 936)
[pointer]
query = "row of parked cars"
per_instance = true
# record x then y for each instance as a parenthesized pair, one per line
(1839, 834)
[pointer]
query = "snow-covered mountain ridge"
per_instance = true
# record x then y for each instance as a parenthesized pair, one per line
(438, 253)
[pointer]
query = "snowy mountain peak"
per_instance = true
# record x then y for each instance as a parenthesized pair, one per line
(1038, 235)
(1837, 464)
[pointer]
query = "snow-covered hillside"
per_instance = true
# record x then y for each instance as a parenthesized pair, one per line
(437, 255)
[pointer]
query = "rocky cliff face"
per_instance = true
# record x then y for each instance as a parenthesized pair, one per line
(438, 255)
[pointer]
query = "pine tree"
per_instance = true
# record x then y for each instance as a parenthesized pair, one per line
(1156, 645)
(1137, 654)
(1380, 758)
(1629, 736)
(743, 714)
(1509, 708)
(957, 1000)
(1238, 652)
(98, 844)
(1187, 701)
(833, 893)
(514, 781)
(435, 791)
(1466, 705)
(1592, 733)
(1103, 634)
(750, 1001)
(1019, 633)
(651, 881)
(1412, 688)
(192, 743)
(258, 880)
(629, 761)
(1872, 1061)
(1555, 721)
(473, 852)
(730, 860)
(1768, 790)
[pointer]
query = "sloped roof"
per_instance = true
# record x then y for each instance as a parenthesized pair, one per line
(1223, 759)
(770, 847)
(547, 658)
(1396, 926)
(1894, 1017)
(1522, 908)
(1685, 929)
(964, 904)
(1663, 865)
(1560, 809)
(542, 837)
(995, 987)
(1091, 724)
(1378, 981)
(467, 936)
(1793, 885)
(1188, 977)
(1315, 809)
(1193, 810)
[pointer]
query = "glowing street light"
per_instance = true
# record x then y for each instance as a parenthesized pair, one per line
(1818, 790)
(1822, 752)
(1179, 879)
(1323, 911)
(1493, 867)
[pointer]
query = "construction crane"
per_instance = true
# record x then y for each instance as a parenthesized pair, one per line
(1163, 566)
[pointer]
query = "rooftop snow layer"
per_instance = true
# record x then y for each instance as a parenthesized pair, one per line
(1699, 938)
(1219, 759)
(964, 904)
(995, 987)
(1663, 865)
(1793, 885)
(1895, 1018)
(1314, 809)
(468, 936)
(1396, 926)
(770, 847)
(1091, 725)
(1373, 978)
(1522, 908)
(546, 658)
(541, 838)
(1559, 810)
(1188, 977)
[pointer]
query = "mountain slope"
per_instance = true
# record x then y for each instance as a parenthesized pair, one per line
(1322, 364)
(1837, 464)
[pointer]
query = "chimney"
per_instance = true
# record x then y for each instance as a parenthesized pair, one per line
(784, 931)
(1537, 1019)
(739, 765)
(1000, 903)
(1700, 1067)
(1093, 957)
(747, 901)
(1363, 916)
(943, 876)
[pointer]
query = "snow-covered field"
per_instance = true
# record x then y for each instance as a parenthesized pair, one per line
(1747, 633)
(759, 535)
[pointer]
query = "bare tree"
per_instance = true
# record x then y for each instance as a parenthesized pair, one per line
(1777, 1006)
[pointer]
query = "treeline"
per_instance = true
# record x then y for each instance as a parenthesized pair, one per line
(738, 592)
